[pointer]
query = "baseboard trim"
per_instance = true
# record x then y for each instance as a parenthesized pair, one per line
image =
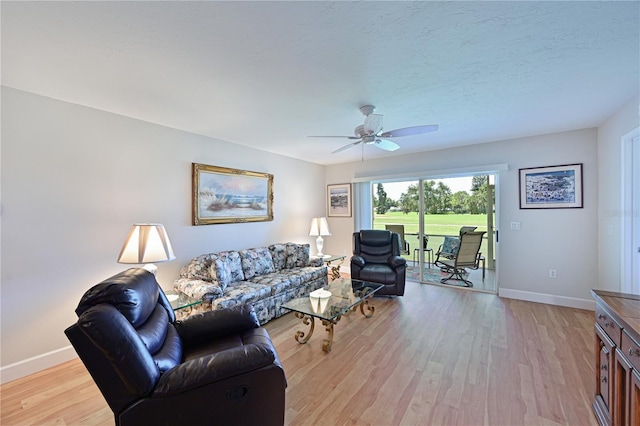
(17, 370)
(550, 299)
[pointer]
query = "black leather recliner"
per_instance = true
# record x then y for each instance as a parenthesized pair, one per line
(217, 367)
(376, 258)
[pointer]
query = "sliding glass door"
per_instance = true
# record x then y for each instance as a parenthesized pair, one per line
(428, 210)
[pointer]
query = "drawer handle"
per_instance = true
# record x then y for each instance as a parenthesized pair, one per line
(603, 367)
(608, 324)
(604, 380)
(600, 316)
(634, 352)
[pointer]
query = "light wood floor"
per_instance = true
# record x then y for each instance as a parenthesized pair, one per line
(437, 356)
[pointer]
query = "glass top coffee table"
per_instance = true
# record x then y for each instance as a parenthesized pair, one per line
(345, 295)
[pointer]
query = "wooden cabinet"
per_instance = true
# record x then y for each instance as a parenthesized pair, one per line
(620, 409)
(627, 368)
(617, 358)
(604, 351)
(634, 396)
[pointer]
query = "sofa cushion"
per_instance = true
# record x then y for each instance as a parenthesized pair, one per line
(228, 268)
(308, 273)
(240, 293)
(451, 245)
(297, 255)
(199, 289)
(198, 268)
(278, 256)
(256, 261)
(278, 282)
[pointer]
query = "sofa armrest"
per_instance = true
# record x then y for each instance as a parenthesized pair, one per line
(213, 368)
(316, 261)
(198, 289)
(209, 325)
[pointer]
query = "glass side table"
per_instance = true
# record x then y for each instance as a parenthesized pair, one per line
(181, 304)
(334, 269)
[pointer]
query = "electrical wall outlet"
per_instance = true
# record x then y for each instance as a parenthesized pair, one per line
(552, 273)
(515, 226)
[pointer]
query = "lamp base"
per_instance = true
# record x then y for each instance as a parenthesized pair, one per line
(319, 246)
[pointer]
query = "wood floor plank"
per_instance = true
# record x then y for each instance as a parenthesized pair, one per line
(437, 356)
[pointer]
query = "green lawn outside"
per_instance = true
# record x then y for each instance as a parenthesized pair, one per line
(434, 224)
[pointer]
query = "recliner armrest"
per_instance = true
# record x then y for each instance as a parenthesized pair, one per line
(358, 261)
(210, 325)
(397, 261)
(213, 368)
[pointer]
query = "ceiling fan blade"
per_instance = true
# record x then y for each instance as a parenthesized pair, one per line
(373, 124)
(346, 147)
(410, 131)
(344, 137)
(386, 145)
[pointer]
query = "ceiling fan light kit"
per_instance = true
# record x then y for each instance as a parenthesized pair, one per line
(369, 132)
(367, 109)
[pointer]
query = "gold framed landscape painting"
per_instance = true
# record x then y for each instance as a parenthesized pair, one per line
(339, 200)
(552, 187)
(225, 195)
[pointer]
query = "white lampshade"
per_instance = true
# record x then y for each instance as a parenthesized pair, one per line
(319, 226)
(146, 243)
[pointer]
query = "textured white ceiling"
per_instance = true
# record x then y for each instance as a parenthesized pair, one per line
(269, 74)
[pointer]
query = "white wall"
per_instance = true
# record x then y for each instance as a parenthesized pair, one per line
(610, 195)
(74, 180)
(549, 239)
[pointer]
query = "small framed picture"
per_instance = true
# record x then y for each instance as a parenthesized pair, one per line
(339, 200)
(552, 187)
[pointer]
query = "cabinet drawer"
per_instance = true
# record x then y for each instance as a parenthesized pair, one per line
(607, 323)
(631, 350)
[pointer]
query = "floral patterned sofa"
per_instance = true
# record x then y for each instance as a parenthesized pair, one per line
(264, 277)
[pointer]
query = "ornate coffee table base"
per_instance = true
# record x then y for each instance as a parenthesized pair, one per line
(328, 342)
(302, 338)
(306, 319)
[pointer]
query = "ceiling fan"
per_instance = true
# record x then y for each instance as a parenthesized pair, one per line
(369, 133)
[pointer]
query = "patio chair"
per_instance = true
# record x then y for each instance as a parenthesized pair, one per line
(449, 248)
(465, 229)
(399, 229)
(467, 256)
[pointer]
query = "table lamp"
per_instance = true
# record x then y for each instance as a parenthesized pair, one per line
(319, 228)
(147, 243)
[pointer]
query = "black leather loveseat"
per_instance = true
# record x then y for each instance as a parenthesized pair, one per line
(217, 367)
